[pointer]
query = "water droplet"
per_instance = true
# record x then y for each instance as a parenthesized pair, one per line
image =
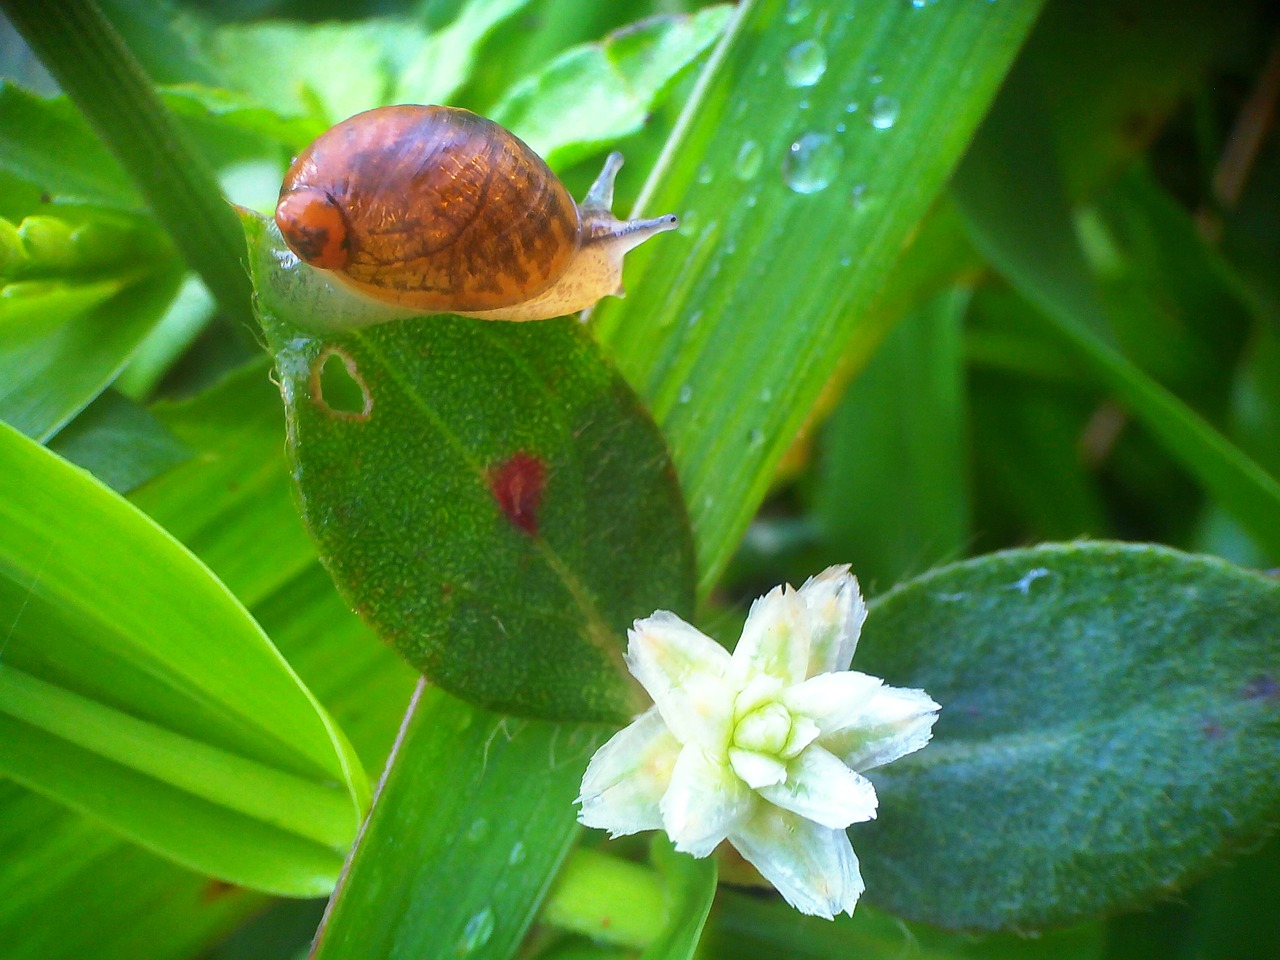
(811, 163)
(750, 156)
(476, 832)
(751, 200)
(851, 107)
(858, 195)
(805, 63)
(804, 104)
(884, 112)
(704, 175)
(694, 318)
(921, 4)
(517, 855)
(846, 261)
(766, 394)
(797, 10)
(756, 438)
(477, 932)
(840, 128)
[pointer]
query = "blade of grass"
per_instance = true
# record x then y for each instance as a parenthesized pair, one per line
(800, 175)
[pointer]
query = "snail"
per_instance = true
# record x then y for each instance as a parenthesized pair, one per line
(428, 209)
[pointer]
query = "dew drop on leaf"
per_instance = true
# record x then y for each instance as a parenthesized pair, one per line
(797, 10)
(804, 64)
(884, 112)
(477, 932)
(811, 163)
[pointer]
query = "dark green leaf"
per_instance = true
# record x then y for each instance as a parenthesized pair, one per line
(892, 495)
(1108, 729)
(70, 890)
(524, 511)
(762, 927)
(1040, 256)
(120, 443)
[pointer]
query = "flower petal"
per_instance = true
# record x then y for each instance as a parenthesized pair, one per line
(775, 639)
(757, 770)
(897, 721)
(833, 700)
(836, 612)
(704, 802)
(628, 776)
(822, 789)
(814, 868)
(686, 673)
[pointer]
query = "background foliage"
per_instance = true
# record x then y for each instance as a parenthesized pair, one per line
(953, 277)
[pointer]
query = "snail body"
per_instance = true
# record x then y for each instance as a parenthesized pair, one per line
(427, 209)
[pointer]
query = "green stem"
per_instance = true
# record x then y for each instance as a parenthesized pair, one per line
(78, 45)
(609, 900)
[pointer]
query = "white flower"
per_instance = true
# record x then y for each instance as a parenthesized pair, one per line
(763, 747)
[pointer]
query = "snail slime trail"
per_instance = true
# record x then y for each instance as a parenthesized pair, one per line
(426, 209)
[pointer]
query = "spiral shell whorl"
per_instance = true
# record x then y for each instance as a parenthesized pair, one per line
(442, 209)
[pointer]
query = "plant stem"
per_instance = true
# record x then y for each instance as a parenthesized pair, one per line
(78, 45)
(609, 900)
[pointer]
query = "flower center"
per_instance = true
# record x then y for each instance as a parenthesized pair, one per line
(764, 730)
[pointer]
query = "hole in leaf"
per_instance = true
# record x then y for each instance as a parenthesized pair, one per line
(337, 387)
(517, 484)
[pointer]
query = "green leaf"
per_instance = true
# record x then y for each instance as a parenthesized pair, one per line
(473, 816)
(690, 889)
(744, 927)
(525, 511)
(47, 143)
(892, 495)
(63, 342)
(1110, 707)
(82, 51)
(137, 690)
(120, 443)
(598, 93)
(1041, 257)
(70, 889)
(446, 60)
(330, 71)
(623, 903)
(732, 325)
(325, 71)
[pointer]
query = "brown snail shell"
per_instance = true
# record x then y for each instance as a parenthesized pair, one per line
(434, 209)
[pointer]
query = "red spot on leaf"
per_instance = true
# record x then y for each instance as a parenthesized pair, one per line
(517, 484)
